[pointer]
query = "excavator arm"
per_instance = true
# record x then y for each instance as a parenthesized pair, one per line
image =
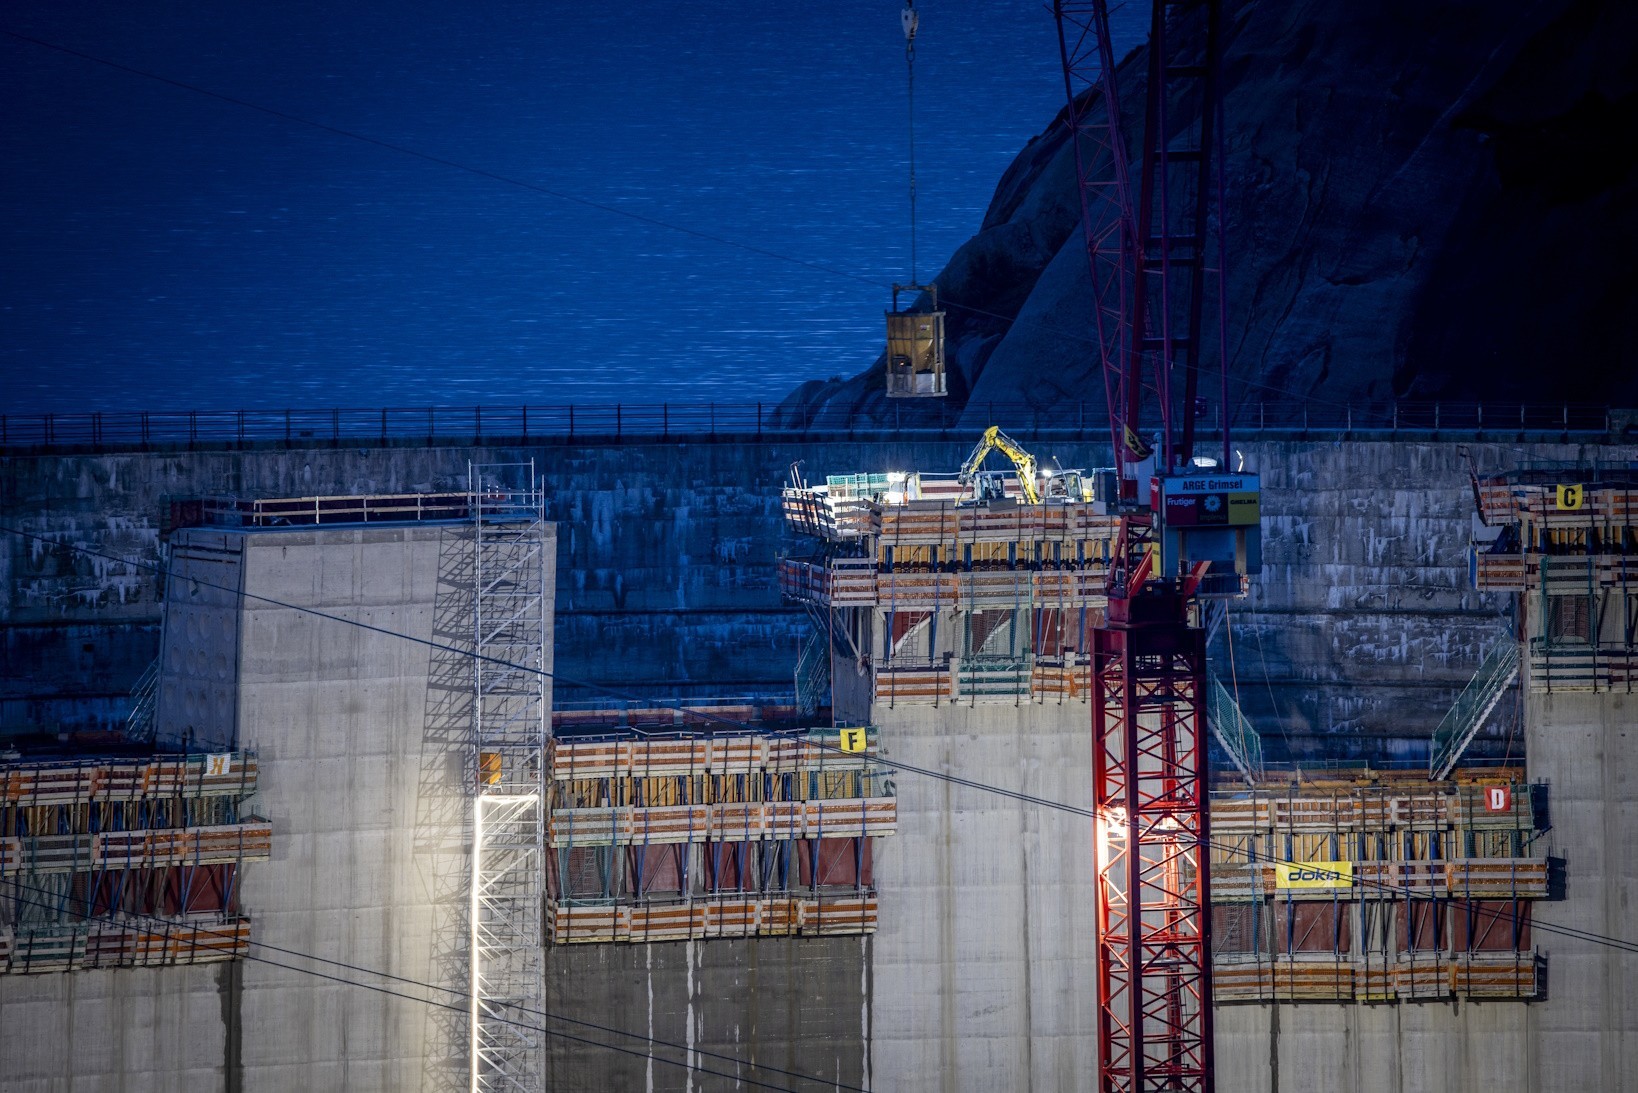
(995, 440)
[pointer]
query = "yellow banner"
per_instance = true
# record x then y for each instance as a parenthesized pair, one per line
(1570, 497)
(1314, 874)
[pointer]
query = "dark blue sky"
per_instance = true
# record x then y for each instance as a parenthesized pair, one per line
(165, 249)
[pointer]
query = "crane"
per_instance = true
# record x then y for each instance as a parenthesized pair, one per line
(1188, 529)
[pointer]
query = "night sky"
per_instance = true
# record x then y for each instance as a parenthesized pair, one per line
(169, 249)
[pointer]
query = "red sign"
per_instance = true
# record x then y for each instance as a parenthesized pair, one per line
(1498, 798)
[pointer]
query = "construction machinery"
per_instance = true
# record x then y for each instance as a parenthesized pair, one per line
(994, 440)
(1153, 236)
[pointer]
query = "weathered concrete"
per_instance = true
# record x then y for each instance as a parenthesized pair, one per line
(1586, 1035)
(982, 961)
(667, 585)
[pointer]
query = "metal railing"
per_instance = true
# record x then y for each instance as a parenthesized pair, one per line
(1472, 707)
(1237, 735)
(139, 430)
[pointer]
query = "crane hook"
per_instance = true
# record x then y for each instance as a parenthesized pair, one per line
(911, 21)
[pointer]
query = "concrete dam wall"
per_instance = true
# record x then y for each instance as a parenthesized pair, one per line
(1353, 642)
(1359, 631)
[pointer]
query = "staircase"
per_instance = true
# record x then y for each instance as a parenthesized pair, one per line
(1473, 707)
(1233, 731)
(813, 674)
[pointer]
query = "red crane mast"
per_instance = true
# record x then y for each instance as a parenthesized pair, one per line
(1151, 237)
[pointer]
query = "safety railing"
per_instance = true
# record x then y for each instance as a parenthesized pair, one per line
(1472, 707)
(1237, 735)
(735, 421)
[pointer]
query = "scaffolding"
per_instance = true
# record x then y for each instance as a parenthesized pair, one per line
(505, 776)
(1380, 888)
(661, 829)
(126, 862)
(949, 589)
(1566, 541)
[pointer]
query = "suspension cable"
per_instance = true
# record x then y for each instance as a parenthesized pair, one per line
(911, 22)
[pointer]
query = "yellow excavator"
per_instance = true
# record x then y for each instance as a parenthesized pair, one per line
(993, 440)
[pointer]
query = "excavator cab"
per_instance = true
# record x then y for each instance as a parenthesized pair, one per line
(915, 347)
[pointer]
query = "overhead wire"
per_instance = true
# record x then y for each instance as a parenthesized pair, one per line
(944, 776)
(123, 917)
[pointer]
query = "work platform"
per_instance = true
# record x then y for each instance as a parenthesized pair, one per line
(1382, 888)
(952, 588)
(660, 832)
(1567, 542)
(125, 861)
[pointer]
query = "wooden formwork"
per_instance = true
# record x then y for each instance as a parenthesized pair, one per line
(1524, 878)
(716, 916)
(119, 944)
(1061, 680)
(728, 822)
(113, 780)
(1317, 978)
(183, 846)
(1494, 975)
(928, 684)
(1499, 572)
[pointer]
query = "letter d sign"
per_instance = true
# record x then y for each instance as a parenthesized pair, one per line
(1498, 798)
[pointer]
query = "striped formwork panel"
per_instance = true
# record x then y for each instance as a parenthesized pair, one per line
(1416, 976)
(1494, 975)
(1237, 883)
(1317, 978)
(588, 758)
(184, 942)
(183, 846)
(905, 591)
(1503, 878)
(1498, 572)
(1315, 813)
(803, 582)
(921, 522)
(1060, 680)
(5, 947)
(1422, 811)
(1475, 813)
(1400, 879)
(571, 924)
(848, 818)
(589, 826)
(733, 918)
(844, 914)
(780, 918)
(739, 822)
(1500, 502)
(921, 684)
(1000, 587)
(850, 582)
(1073, 587)
(669, 823)
(1237, 815)
(193, 777)
(1539, 504)
(736, 754)
(52, 949)
(47, 854)
(666, 921)
(669, 757)
(48, 785)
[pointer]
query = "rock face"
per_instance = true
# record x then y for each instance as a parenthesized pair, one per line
(1425, 201)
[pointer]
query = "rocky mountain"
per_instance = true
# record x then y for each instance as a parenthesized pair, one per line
(1424, 201)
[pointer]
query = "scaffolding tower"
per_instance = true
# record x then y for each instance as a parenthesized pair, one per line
(505, 776)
